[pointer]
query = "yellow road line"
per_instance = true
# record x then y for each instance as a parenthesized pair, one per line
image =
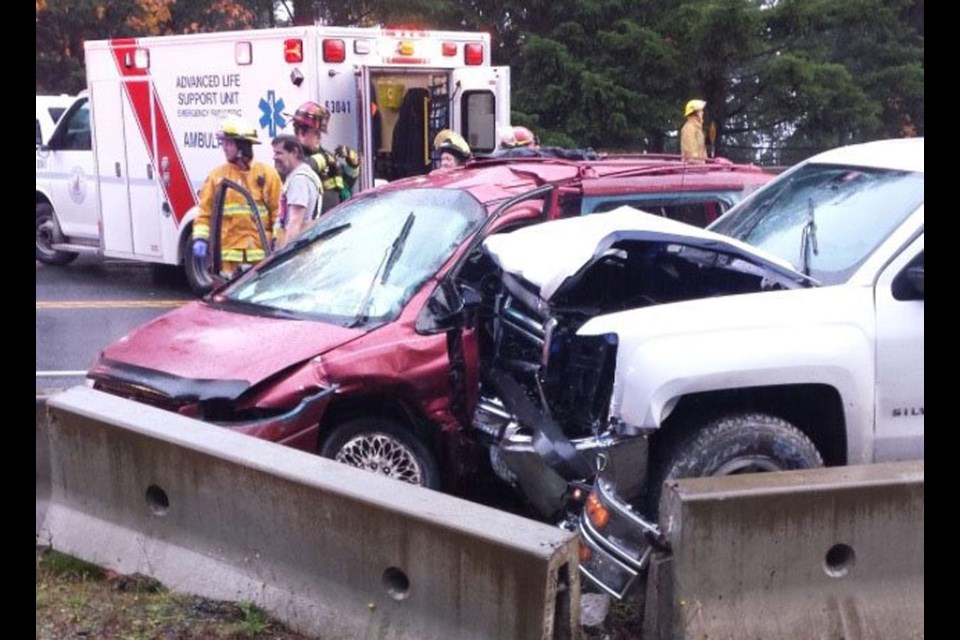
(111, 304)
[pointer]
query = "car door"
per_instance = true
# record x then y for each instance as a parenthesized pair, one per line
(461, 297)
(900, 360)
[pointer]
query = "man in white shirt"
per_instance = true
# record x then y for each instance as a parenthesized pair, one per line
(301, 191)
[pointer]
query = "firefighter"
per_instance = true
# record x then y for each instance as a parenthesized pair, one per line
(453, 149)
(339, 170)
(519, 137)
(693, 147)
(240, 236)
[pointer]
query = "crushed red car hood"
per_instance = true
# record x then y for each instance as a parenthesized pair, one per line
(202, 342)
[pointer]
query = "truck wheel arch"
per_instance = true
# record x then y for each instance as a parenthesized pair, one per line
(732, 443)
(815, 409)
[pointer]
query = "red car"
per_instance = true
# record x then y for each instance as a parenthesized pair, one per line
(360, 340)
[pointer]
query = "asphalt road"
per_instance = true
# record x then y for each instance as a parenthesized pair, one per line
(90, 303)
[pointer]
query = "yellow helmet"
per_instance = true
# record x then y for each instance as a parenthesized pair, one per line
(693, 105)
(238, 130)
(451, 140)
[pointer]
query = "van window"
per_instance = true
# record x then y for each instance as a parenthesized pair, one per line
(76, 135)
(479, 117)
(698, 209)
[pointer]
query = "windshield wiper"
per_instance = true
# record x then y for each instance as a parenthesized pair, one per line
(808, 238)
(386, 266)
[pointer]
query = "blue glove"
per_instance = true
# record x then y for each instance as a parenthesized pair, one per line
(200, 248)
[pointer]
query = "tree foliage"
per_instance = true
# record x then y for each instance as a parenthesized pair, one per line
(782, 78)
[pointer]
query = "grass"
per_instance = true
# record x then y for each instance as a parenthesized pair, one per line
(76, 599)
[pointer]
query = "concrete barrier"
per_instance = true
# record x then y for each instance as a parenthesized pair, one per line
(330, 550)
(826, 553)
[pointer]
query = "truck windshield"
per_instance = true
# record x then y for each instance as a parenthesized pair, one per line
(852, 210)
(327, 273)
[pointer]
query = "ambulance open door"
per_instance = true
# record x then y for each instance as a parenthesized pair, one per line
(481, 105)
(365, 114)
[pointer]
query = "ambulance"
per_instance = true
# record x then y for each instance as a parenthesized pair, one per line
(119, 176)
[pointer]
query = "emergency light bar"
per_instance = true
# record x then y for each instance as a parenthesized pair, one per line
(473, 54)
(139, 59)
(449, 49)
(243, 53)
(334, 50)
(293, 50)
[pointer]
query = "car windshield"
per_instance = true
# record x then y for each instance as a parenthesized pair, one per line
(825, 219)
(363, 261)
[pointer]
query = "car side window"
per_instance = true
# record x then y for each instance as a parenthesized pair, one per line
(698, 212)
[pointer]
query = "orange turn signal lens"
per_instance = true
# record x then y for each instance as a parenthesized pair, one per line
(584, 553)
(598, 514)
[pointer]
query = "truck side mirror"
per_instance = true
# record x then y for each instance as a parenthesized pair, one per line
(908, 285)
(915, 277)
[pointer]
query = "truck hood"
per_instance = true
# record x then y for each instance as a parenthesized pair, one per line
(547, 254)
(206, 347)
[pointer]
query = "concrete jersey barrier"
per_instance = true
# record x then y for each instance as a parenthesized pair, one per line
(820, 553)
(329, 549)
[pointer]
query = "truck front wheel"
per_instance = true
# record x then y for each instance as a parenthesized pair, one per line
(738, 443)
(45, 238)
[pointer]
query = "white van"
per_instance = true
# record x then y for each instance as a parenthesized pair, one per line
(49, 110)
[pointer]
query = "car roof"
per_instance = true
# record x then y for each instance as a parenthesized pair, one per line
(495, 179)
(902, 154)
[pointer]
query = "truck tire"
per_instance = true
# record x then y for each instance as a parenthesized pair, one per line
(732, 444)
(45, 251)
(195, 269)
(382, 446)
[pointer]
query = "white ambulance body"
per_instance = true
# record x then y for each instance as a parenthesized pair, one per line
(120, 174)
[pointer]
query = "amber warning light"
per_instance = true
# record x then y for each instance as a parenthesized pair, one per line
(293, 50)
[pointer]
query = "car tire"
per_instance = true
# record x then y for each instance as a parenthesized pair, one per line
(45, 251)
(383, 446)
(733, 444)
(195, 269)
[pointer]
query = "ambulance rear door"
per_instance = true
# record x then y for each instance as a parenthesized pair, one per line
(481, 105)
(129, 192)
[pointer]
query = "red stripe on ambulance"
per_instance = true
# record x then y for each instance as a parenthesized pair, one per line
(143, 97)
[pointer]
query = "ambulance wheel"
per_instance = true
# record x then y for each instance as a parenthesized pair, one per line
(198, 276)
(45, 234)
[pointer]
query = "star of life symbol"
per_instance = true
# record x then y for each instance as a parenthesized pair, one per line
(272, 109)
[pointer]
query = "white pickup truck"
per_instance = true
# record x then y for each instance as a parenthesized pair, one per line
(787, 335)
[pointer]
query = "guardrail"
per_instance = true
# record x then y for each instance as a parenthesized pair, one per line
(328, 549)
(822, 553)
